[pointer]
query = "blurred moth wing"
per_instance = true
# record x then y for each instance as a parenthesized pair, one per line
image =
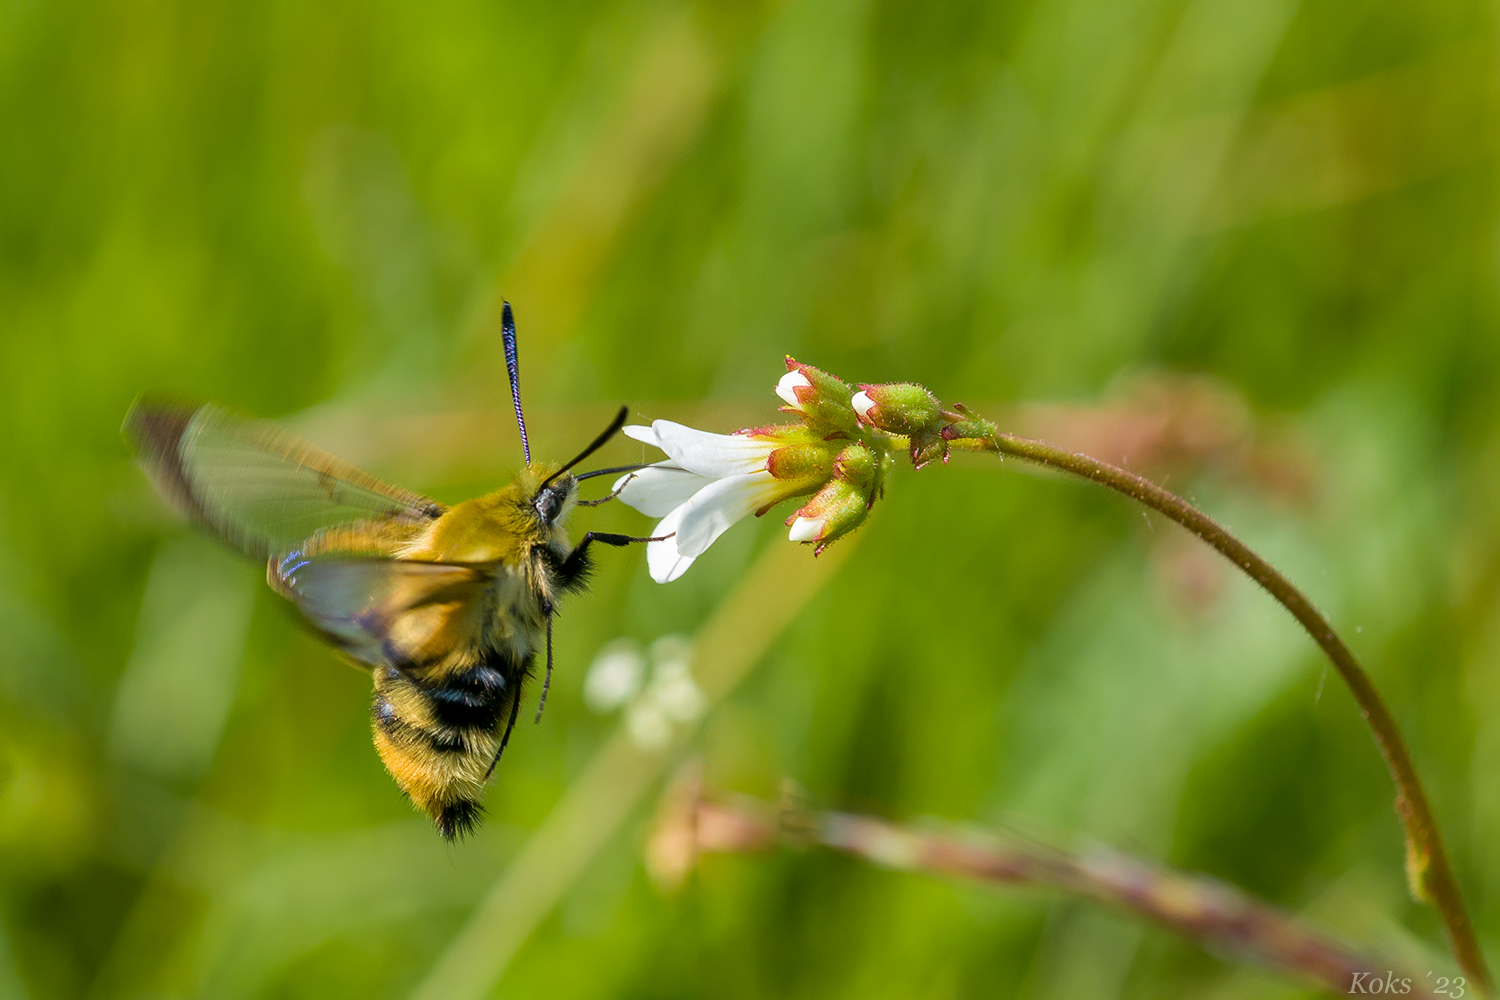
(385, 612)
(330, 532)
(262, 490)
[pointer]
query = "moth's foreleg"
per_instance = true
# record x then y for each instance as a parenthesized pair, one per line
(606, 499)
(575, 568)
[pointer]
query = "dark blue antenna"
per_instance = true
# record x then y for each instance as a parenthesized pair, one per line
(508, 332)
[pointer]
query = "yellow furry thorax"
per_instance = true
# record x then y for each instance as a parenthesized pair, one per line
(498, 527)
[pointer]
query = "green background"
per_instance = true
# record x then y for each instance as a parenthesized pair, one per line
(1246, 245)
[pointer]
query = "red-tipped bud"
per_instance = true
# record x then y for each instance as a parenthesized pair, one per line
(834, 511)
(822, 399)
(898, 408)
(795, 388)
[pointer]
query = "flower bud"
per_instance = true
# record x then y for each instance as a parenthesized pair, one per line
(928, 445)
(859, 466)
(822, 399)
(809, 463)
(788, 386)
(898, 408)
(837, 509)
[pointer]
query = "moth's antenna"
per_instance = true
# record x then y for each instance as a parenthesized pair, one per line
(508, 333)
(595, 445)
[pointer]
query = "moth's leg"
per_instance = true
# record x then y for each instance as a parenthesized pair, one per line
(515, 708)
(570, 574)
(617, 491)
(576, 566)
(547, 680)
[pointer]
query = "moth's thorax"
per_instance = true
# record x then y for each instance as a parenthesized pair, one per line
(504, 526)
(477, 531)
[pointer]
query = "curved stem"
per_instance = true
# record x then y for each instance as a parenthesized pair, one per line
(1223, 919)
(1427, 867)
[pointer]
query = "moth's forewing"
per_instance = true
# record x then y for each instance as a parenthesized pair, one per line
(386, 612)
(259, 488)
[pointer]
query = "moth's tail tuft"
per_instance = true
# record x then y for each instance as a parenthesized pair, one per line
(458, 819)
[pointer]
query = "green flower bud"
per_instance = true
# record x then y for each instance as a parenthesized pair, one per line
(859, 466)
(821, 399)
(810, 463)
(837, 509)
(903, 408)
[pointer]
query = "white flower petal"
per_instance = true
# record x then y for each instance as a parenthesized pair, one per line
(718, 505)
(642, 433)
(806, 529)
(861, 403)
(662, 558)
(713, 455)
(657, 489)
(790, 382)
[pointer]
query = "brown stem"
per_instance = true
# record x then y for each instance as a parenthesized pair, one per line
(1427, 867)
(1217, 915)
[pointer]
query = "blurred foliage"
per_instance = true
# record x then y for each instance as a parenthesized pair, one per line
(1248, 245)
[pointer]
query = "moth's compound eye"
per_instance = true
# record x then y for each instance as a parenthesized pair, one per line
(548, 504)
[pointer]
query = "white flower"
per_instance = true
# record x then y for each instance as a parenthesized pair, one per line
(708, 482)
(647, 724)
(672, 684)
(653, 709)
(614, 677)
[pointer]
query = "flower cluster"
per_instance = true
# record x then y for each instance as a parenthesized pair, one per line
(655, 687)
(836, 454)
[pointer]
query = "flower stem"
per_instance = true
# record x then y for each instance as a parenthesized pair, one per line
(1428, 872)
(1219, 916)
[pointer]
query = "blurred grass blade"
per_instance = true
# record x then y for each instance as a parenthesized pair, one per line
(178, 685)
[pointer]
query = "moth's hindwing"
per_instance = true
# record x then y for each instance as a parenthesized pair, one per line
(388, 612)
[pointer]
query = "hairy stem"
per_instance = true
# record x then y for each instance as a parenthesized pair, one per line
(1428, 871)
(1217, 915)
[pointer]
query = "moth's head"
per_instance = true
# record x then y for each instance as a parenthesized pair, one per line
(549, 491)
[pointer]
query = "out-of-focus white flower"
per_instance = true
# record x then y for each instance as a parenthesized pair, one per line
(655, 706)
(614, 677)
(648, 725)
(708, 482)
(672, 684)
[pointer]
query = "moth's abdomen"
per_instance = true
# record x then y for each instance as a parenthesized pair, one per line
(437, 732)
